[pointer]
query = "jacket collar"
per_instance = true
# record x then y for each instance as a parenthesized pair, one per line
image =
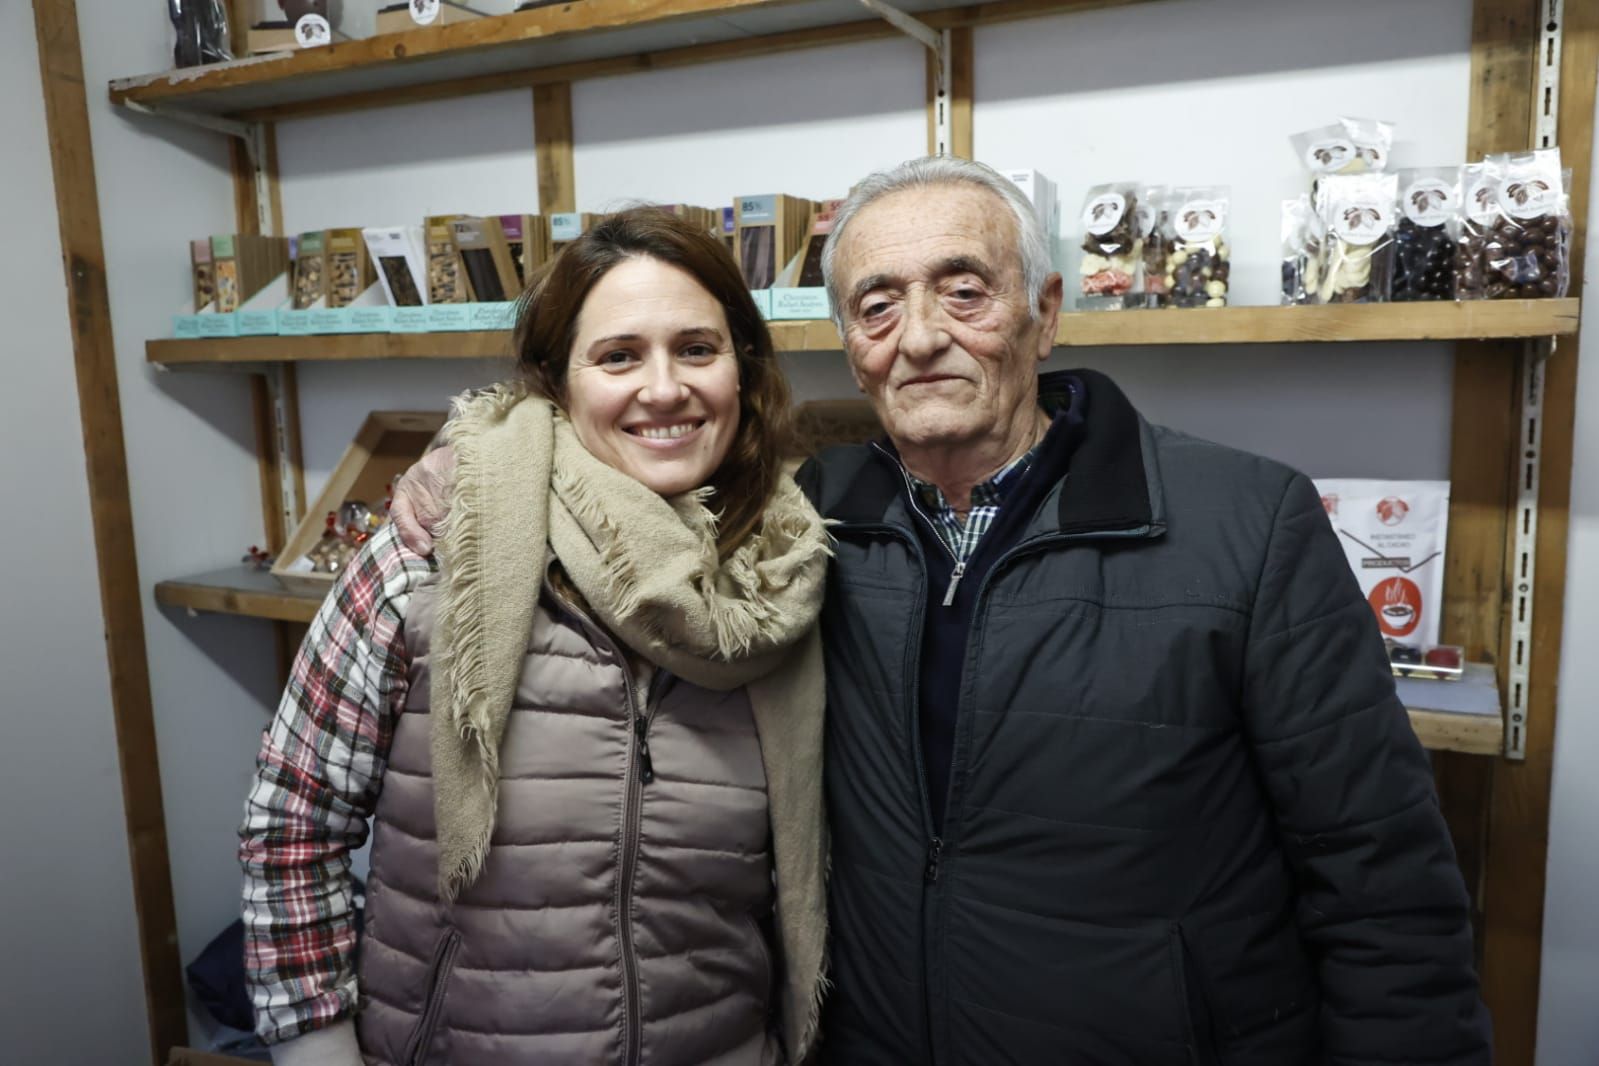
(1112, 483)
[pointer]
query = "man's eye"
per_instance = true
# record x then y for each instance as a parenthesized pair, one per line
(966, 293)
(873, 308)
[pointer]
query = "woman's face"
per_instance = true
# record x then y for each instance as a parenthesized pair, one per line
(652, 383)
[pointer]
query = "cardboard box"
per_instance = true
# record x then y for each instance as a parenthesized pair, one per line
(804, 271)
(243, 265)
(490, 270)
(771, 231)
(349, 268)
(202, 273)
(568, 226)
(389, 442)
(446, 274)
(309, 281)
(401, 257)
(528, 238)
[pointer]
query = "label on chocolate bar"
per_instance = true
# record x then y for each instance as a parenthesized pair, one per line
(1529, 197)
(1198, 221)
(1104, 212)
(1331, 155)
(1362, 221)
(1429, 201)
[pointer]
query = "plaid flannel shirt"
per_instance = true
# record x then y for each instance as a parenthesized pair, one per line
(962, 537)
(317, 780)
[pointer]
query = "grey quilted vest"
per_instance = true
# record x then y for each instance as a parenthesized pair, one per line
(622, 913)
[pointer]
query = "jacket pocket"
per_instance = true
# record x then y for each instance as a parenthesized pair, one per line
(438, 982)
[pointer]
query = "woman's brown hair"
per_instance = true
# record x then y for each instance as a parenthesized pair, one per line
(546, 327)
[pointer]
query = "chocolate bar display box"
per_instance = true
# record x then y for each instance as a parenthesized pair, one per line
(388, 443)
(770, 232)
(237, 283)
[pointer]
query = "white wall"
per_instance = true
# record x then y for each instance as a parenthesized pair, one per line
(1181, 91)
(66, 892)
(1568, 1026)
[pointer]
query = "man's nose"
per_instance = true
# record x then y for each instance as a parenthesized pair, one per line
(923, 334)
(663, 383)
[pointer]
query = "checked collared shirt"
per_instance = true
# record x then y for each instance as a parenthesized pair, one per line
(962, 537)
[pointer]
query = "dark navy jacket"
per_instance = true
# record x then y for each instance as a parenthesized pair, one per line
(1188, 821)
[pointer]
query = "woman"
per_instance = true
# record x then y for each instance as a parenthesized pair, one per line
(589, 736)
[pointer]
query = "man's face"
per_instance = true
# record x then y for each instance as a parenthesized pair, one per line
(936, 318)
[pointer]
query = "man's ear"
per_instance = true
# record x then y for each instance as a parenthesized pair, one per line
(1049, 301)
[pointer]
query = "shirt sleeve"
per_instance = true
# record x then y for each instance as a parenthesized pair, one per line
(317, 780)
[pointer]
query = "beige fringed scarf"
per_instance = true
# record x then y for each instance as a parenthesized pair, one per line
(649, 569)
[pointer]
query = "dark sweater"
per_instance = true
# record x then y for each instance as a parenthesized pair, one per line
(946, 627)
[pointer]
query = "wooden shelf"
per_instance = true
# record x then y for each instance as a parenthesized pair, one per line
(238, 590)
(568, 42)
(253, 593)
(1222, 325)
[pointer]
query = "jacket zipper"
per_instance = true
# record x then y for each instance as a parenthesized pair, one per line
(433, 1006)
(640, 772)
(935, 843)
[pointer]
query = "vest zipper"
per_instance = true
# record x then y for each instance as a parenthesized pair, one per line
(640, 772)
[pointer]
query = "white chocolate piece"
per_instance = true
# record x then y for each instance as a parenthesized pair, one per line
(1094, 264)
(1215, 301)
(1216, 288)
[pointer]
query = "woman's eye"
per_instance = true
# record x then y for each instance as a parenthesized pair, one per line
(699, 351)
(616, 359)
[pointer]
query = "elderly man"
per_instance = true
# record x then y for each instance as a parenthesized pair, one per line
(1116, 774)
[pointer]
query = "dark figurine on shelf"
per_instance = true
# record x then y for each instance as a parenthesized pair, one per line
(256, 559)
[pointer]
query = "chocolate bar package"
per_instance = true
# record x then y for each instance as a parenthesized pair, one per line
(401, 258)
(527, 238)
(490, 270)
(244, 264)
(349, 268)
(446, 275)
(308, 282)
(771, 229)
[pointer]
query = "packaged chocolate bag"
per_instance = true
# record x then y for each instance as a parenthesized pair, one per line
(1479, 211)
(1151, 230)
(1424, 246)
(1113, 251)
(1357, 258)
(1527, 249)
(1199, 259)
(1393, 533)
(1302, 238)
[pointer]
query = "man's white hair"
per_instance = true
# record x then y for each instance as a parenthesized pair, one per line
(928, 172)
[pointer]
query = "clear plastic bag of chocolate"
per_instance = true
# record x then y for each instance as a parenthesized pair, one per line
(1479, 211)
(1527, 249)
(1302, 237)
(1199, 259)
(202, 32)
(1349, 146)
(1113, 250)
(1357, 257)
(1151, 221)
(1424, 242)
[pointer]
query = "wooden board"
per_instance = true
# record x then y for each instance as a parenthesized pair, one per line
(111, 514)
(1224, 325)
(552, 146)
(1518, 835)
(563, 42)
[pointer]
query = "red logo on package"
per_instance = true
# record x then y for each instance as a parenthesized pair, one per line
(1397, 604)
(1329, 503)
(1392, 510)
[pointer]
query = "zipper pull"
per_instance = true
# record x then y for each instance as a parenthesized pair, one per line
(954, 582)
(935, 851)
(646, 767)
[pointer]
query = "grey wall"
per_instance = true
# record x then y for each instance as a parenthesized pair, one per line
(66, 895)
